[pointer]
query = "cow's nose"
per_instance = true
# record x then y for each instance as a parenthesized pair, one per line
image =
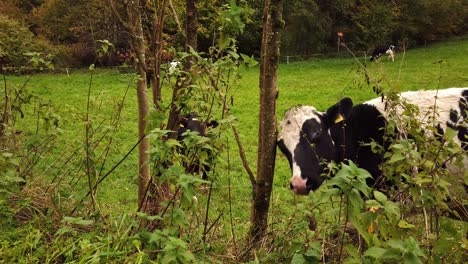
(298, 185)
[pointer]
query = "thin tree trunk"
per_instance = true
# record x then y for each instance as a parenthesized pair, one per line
(144, 175)
(191, 33)
(158, 24)
(272, 24)
(133, 25)
(191, 27)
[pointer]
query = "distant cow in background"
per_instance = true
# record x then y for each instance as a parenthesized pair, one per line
(379, 51)
(193, 122)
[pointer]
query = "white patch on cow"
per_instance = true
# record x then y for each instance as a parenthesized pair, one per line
(290, 133)
(445, 100)
(390, 54)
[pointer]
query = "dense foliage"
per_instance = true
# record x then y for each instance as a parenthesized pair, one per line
(311, 26)
(18, 46)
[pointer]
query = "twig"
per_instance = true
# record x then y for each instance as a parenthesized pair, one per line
(207, 211)
(426, 227)
(170, 201)
(244, 159)
(344, 231)
(215, 221)
(5, 116)
(87, 125)
(111, 170)
(176, 18)
(230, 198)
(20, 89)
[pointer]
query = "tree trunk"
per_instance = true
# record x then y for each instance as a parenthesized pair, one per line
(133, 25)
(138, 44)
(272, 24)
(191, 33)
(191, 26)
(158, 24)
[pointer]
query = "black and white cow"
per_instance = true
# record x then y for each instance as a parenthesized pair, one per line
(310, 138)
(379, 51)
(193, 122)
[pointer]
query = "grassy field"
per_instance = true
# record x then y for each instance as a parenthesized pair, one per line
(320, 82)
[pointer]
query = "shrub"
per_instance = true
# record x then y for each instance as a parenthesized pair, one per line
(16, 41)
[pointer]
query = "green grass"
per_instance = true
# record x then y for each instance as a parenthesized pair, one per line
(319, 82)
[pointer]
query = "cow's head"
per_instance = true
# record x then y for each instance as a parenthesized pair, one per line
(194, 123)
(306, 140)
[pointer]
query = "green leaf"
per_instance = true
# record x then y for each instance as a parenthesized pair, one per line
(148, 217)
(396, 158)
(405, 225)
(298, 259)
(397, 244)
(375, 252)
(352, 250)
(77, 221)
(380, 196)
(411, 259)
(64, 230)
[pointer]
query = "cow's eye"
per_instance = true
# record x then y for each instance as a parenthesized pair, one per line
(288, 123)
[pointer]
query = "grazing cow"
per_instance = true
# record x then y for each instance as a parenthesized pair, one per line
(379, 51)
(192, 122)
(309, 138)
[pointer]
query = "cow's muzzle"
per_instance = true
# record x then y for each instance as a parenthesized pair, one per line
(299, 185)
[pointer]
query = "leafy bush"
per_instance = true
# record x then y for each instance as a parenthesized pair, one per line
(17, 41)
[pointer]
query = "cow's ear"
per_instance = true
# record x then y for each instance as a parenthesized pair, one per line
(183, 121)
(338, 112)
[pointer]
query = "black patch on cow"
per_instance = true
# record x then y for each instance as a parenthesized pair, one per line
(343, 108)
(312, 152)
(192, 122)
(364, 125)
(463, 127)
(440, 132)
(285, 151)
(458, 120)
(453, 119)
(312, 129)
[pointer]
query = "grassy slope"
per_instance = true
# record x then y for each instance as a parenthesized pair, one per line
(319, 82)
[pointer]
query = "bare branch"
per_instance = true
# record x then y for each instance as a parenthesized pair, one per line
(176, 18)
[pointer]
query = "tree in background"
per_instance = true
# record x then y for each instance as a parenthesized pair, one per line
(272, 25)
(301, 19)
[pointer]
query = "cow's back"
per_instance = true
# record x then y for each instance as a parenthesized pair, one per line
(452, 108)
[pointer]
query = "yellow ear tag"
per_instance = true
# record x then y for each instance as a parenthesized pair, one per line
(181, 125)
(339, 118)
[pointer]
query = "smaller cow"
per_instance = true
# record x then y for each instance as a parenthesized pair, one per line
(193, 122)
(379, 51)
